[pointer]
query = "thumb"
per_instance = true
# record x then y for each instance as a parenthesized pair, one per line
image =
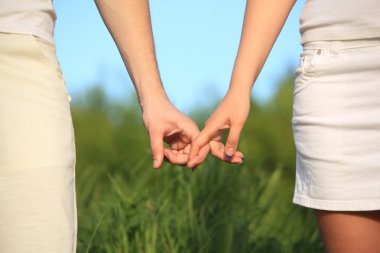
(232, 141)
(157, 148)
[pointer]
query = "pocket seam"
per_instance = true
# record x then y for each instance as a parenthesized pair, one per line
(42, 57)
(309, 60)
(312, 70)
(38, 50)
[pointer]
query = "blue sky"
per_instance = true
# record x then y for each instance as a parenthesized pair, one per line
(196, 44)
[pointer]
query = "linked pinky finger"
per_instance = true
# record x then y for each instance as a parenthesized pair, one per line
(200, 157)
(203, 138)
(175, 157)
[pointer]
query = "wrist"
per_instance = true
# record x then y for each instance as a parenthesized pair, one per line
(152, 100)
(242, 80)
(239, 92)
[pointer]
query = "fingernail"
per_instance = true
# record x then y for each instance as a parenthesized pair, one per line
(229, 153)
(155, 164)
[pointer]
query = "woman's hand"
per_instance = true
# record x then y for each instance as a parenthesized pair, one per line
(166, 123)
(263, 21)
(231, 113)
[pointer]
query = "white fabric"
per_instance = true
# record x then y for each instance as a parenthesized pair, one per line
(336, 125)
(37, 150)
(35, 17)
(340, 20)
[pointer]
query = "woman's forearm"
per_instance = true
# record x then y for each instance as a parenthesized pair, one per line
(263, 22)
(130, 26)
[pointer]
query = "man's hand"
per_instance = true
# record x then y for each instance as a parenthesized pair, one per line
(167, 124)
(129, 24)
(263, 21)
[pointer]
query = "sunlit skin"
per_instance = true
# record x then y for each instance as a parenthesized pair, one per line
(129, 24)
(350, 232)
(263, 22)
(342, 232)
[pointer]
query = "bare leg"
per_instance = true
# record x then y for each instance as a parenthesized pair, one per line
(350, 232)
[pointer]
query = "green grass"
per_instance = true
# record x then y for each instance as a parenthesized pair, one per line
(124, 205)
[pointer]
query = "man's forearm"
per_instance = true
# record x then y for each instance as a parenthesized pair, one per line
(130, 26)
(263, 22)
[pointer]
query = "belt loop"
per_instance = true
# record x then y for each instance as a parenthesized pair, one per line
(334, 50)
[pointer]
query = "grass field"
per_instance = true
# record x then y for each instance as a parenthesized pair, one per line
(124, 205)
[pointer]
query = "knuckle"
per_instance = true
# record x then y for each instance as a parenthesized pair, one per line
(213, 152)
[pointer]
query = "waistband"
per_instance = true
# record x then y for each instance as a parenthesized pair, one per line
(342, 44)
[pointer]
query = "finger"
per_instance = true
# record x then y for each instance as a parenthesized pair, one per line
(201, 157)
(178, 145)
(235, 159)
(203, 152)
(190, 131)
(157, 148)
(176, 157)
(202, 140)
(186, 150)
(217, 150)
(232, 141)
(239, 154)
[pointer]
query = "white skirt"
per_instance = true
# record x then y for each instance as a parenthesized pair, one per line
(336, 125)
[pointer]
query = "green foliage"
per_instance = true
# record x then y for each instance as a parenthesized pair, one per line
(124, 205)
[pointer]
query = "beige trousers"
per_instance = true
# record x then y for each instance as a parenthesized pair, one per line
(37, 150)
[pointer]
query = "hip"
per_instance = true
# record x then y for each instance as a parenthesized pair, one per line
(338, 68)
(35, 115)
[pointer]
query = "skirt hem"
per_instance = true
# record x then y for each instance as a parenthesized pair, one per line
(337, 205)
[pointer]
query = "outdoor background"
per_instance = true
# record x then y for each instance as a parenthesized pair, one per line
(124, 205)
